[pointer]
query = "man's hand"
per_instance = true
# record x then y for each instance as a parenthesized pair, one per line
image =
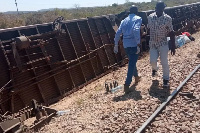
(173, 50)
(138, 50)
(116, 49)
(172, 38)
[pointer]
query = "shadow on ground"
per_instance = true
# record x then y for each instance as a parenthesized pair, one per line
(159, 92)
(135, 95)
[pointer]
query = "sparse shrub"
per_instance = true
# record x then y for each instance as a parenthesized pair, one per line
(23, 19)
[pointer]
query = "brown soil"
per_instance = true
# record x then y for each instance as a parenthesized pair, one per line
(92, 110)
(183, 113)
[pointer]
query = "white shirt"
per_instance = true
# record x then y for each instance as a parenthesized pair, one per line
(159, 29)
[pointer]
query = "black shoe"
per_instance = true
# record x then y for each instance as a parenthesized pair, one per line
(127, 89)
(165, 83)
(154, 73)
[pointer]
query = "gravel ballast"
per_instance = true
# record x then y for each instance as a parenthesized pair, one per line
(94, 111)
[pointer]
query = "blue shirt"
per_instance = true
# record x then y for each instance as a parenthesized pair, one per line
(130, 27)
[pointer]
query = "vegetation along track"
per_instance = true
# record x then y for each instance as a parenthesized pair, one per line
(91, 110)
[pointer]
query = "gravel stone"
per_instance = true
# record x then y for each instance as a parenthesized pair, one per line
(93, 111)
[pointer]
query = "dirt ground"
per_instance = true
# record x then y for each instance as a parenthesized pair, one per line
(183, 113)
(93, 111)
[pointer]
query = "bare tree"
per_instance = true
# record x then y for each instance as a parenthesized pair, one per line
(127, 1)
(77, 6)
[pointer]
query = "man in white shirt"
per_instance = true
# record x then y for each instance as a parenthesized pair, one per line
(160, 26)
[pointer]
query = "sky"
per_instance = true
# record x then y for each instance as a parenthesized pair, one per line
(34, 5)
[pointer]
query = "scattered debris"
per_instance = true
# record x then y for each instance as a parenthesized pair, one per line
(59, 113)
(27, 119)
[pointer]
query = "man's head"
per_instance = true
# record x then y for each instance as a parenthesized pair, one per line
(133, 9)
(160, 6)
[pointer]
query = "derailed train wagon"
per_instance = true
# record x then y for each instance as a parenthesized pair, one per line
(46, 64)
(39, 62)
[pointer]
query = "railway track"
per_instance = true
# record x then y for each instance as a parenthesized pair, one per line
(58, 64)
(35, 71)
(186, 104)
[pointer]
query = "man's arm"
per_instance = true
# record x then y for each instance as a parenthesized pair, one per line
(118, 33)
(137, 30)
(148, 28)
(172, 36)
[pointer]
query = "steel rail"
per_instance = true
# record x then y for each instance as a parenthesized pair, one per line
(161, 107)
(2, 88)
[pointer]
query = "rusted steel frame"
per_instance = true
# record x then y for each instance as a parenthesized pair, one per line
(7, 41)
(102, 41)
(38, 85)
(20, 99)
(1, 102)
(92, 80)
(2, 88)
(58, 67)
(68, 62)
(42, 122)
(81, 86)
(94, 44)
(17, 90)
(37, 29)
(30, 62)
(75, 50)
(87, 48)
(60, 92)
(2, 110)
(77, 53)
(6, 45)
(48, 64)
(12, 103)
(4, 51)
(10, 126)
(70, 68)
(107, 31)
(12, 94)
(34, 36)
(5, 113)
(60, 48)
(43, 34)
(92, 51)
(109, 36)
(11, 75)
(161, 107)
(71, 78)
(31, 54)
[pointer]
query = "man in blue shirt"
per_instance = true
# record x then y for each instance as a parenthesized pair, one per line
(130, 28)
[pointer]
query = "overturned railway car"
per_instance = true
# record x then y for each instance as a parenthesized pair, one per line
(38, 62)
(183, 16)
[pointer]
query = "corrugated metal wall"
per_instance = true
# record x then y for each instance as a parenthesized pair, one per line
(77, 56)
